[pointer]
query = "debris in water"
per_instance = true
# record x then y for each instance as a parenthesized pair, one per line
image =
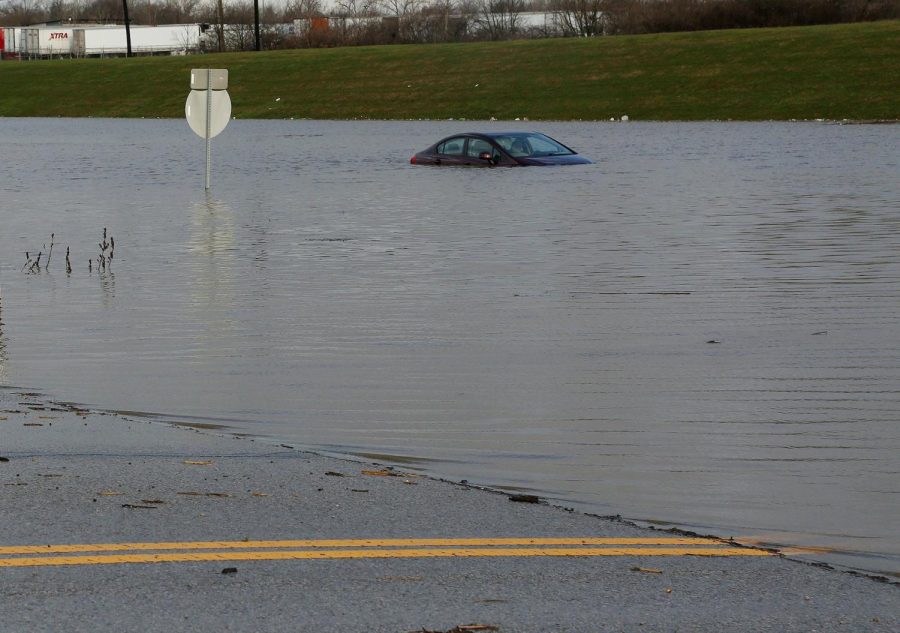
(387, 473)
(525, 498)
(380, 473)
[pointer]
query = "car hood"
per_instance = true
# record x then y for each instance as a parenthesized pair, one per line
(569, 159)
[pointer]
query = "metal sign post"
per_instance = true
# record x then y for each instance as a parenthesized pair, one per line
(208, 107)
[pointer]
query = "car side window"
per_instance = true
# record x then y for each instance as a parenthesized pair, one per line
(452, 147)
(476, 146)
(543, 147)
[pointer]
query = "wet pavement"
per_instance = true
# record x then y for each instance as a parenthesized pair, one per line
(110, 522)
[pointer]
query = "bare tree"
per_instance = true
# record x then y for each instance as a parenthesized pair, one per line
(580, 17)
(105, 10)
(356, 19)
(239, 35)
(175, 11)
(303, 9)
(220, 25)
(310, 23)
(57, 10)
(401, 8)
(438, 21)
(497, 19)
(23, 12)
(403, 19)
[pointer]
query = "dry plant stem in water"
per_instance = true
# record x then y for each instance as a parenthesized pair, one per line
(107, 250)
(104, 259)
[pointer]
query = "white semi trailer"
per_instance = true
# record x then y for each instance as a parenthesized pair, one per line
(145, 40)
(11, 37)
(95, 41)
(46, 41)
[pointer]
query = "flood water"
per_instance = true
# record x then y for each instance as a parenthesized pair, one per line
(700, 330)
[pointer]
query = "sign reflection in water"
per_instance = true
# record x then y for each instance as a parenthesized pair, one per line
(4, 378)
(544, 329)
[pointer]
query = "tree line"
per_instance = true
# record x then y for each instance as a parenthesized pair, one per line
(312, 23)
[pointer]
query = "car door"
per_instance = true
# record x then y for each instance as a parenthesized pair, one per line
(452, 151)
(477, 146)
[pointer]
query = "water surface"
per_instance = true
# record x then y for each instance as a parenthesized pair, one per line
(700, 329)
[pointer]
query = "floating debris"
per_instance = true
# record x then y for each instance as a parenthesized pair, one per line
(525, 498)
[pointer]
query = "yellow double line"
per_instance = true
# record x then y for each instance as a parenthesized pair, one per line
(120, 553)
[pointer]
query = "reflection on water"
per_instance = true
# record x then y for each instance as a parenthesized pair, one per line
(699, 329)
(211, 271)
(4, 376)
(107, 279)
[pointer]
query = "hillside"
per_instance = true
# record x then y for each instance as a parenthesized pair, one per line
(846, 71)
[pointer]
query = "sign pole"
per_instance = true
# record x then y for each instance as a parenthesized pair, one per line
(208, 108)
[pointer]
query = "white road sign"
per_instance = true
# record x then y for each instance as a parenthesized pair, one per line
(195, 110)
(208, 106)
(215, 78)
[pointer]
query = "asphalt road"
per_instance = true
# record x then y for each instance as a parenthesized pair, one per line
(116, 523)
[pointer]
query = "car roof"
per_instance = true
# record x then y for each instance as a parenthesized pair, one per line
(496, 134)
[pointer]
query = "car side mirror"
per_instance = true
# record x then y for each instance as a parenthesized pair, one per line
(488, 156)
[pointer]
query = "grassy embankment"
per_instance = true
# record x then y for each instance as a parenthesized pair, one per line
(833, 72)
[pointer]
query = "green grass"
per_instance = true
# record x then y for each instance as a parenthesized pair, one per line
(846, 71)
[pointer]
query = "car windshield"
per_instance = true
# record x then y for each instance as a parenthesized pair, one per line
(530, 144)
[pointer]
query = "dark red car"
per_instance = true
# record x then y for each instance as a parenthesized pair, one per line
(498, 149)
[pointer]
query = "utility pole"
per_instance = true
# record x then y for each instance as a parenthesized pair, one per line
(220, 28)
(127, 29)
(256, 18)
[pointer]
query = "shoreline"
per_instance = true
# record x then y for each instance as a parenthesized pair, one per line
(279, 536)
(794, 553)
(827, 121)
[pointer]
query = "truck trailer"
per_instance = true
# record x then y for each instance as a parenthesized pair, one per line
(46, 42)
(12, 36)
(170, 39)
(42, 42)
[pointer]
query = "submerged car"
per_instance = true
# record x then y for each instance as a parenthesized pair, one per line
(501, 149)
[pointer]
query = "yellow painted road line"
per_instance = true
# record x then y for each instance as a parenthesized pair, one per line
(412, 542)
(116, 559)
